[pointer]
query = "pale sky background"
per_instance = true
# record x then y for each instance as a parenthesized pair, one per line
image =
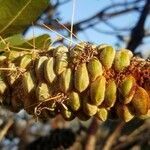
(86, 8)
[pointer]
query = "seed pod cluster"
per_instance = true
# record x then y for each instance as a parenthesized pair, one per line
(83, 82)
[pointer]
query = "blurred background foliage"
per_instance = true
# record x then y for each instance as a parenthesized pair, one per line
(122, 23)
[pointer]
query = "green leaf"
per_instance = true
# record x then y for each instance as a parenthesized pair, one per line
(14, 40)
(17, 41)
(41, 42)
(17, 15)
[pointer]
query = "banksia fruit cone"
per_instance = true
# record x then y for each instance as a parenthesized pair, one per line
(82, 81)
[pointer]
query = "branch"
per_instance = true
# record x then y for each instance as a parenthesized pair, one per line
(91, 21)
(91, 135)
(137, 33)
(4, 131)
(135, 137)
(113, 137)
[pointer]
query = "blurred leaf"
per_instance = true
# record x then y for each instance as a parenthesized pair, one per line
(14, 40)
(41, 42)
(17, 41)
(17, 15)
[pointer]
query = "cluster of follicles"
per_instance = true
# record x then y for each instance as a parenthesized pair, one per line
(83, 81)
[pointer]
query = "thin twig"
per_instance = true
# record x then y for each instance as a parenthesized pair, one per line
(3, 132)
(72, 20)
(56, 33)
(137, 139)
(91, 135)
(68, 30)
(112, 138)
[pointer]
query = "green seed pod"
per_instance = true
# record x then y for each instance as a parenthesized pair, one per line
(61, 56)
(122, 59)
(74, 101)
(102, 114)
(28, 80)
(97, 91)
(127, 89)
(29, 87)
(59, 51)
(124, 112)
(67, 114)
(94, 68)
(102, 47)
(39, 67)
(107, 56)
(89, 109)
(61, 64)
(25, 61)
(65, 80)
(140, 101)
(110, 93)
(43, 91)
(81, 81)
(49, 73)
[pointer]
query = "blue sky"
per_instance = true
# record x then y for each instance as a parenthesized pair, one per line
(86, 8)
